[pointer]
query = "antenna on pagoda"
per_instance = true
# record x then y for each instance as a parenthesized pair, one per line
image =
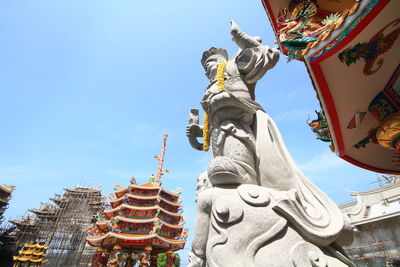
(160, 158)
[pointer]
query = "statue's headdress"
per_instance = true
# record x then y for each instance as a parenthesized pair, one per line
(213, 51)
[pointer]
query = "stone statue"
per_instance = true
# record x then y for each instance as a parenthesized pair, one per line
(254, 206)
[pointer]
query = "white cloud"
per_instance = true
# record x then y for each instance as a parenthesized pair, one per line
(322, 162)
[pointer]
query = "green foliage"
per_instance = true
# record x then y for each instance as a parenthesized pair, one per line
(162, 260)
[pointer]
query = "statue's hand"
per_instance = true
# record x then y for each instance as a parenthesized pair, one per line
(234, 28)
(243, 40)
(192, 132)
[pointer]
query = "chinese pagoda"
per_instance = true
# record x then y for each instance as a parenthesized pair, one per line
(5, 195)
(141, 222)
(6, 238)
(351, 50)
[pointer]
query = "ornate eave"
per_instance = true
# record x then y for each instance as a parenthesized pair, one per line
(58, 201)
(126, 206)
(169, 192)
(375, 190)
(43, 212)
(112, 238)
(348, 88)
(170, 202)
(170, 213)
(374, 205)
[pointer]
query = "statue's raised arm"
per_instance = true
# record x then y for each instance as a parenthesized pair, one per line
(243, 40)
(254, 59)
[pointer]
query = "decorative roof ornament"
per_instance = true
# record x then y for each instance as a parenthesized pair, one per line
(157, 179)
(133, 180)
(319, 126)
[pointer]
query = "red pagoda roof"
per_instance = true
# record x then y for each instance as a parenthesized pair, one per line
(170, 202)
(169, 192)
(126, 206)
(170, 212)
(134, 220)
(149, 185)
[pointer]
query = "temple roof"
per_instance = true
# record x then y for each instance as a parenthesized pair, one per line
(4, 200)
(82, 189)
(58, 201)
(130, 207)
(375, 190)
(169, 192)
(132, 196)
(171, 213)
(149, 185)
(6, 189)
(28, 221)
(170, 202)
(134, 220)
(373, 205)
(355, 72)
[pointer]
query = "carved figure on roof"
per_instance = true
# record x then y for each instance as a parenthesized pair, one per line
(304, 28)
(319, 126)
(255, 184)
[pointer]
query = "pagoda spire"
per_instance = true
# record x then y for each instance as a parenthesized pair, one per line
(160, 158)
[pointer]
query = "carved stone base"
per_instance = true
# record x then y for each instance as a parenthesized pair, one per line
(245, 228)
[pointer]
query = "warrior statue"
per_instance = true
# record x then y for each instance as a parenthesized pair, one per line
(254, 206)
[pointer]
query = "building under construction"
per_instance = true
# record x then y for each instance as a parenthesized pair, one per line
(61, 226)
(375, 214)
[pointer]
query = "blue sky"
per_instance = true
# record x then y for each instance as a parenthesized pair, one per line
(87, 89)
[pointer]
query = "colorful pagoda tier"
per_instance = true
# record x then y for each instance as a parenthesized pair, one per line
(31, 255)
(5, 195)
(351, 52)
(142, 221)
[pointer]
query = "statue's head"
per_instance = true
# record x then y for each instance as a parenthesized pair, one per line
(202, 183)
(211, 58)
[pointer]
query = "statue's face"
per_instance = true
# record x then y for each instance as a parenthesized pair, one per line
(202, 183)
(211, 65)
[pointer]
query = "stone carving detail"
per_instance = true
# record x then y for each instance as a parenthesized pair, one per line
(254, 206)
